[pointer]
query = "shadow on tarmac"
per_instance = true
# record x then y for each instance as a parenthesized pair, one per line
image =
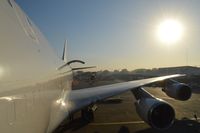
(123, 129)
(184, 125)
(111, 101)
(76, 124)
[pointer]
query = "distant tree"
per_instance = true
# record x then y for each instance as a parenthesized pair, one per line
(124, 71)
(116, 71)
(105, 72)
(140, 70)
(154, 69)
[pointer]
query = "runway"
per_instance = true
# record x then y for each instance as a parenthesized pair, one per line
(121, 117)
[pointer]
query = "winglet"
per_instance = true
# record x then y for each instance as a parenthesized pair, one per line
(64, 56)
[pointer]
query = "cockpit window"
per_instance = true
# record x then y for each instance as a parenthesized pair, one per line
(29, 21)
(25, 23)
(10, 3)
(30, 31)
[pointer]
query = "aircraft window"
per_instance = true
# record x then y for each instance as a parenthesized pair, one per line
(9, 2)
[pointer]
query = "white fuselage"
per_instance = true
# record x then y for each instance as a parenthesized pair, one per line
(32, 90)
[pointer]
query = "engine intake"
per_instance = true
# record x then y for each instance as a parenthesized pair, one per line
(179, 91)
(156, 112)
(162, 116)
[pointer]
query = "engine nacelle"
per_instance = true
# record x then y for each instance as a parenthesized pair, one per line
(176, 90)
(156, 112)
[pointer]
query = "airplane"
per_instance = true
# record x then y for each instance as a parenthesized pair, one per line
(35, 84)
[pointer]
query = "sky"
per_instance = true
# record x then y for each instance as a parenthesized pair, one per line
(117, 34)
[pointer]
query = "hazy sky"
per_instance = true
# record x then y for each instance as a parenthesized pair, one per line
(116, 34)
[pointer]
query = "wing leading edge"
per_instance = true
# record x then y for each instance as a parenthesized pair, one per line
(84, 97)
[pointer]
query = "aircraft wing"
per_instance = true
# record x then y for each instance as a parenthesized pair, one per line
(84, 97)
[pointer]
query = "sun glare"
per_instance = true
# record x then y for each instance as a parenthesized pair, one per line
(170, 31)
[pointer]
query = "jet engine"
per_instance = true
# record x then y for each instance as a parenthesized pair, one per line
(176, 90)
(156, 112)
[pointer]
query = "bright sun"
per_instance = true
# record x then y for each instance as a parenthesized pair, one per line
(170, 31)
